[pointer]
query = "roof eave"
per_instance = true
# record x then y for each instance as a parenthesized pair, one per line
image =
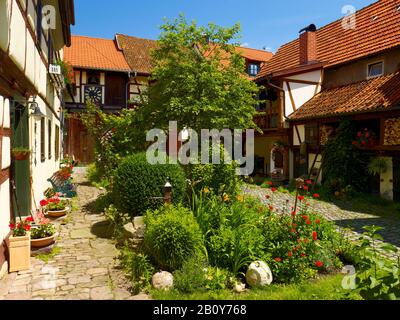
(293, 71)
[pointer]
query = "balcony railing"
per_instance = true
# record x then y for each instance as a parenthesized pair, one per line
(267, 122)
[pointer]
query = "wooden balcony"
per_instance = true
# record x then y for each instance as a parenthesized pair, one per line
(267, 121)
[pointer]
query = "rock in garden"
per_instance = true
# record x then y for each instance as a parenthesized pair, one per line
(259, 274)
(239, 287)
(129, 230)
(163, 280)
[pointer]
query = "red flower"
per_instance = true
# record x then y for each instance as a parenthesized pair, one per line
(309, 182)
(299, 241)
(270, 183)
(267, 197)
(303, 255)
(298, 247)
(308, 222)
(316, 196)
(12, 226)
(274, 189)
(29, 219)
(301, 198)
(294, 225)
(271, 208)
(290, 254)
(278, 259)
(292, 231)
(27, 228)
(305, 218)
(293, 213)
(318, 221)
(44, 203)
(315, 236)
(319, 264)
(305, 188)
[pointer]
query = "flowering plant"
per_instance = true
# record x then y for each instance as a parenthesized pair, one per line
(44, 229)
(20, 229)
(54, 204)
(365, 139)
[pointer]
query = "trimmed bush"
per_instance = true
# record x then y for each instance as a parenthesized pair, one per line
(172, 236)
(136, 184)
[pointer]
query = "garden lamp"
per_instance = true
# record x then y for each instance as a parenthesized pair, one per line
(37, 113)
(168, 192)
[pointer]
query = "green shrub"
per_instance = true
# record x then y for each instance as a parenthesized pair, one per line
(233, 239)
(96, 177)
(191, 277)
(117, 221)
(172, 236)
(136, 184)
(138, 268)
(219, 179)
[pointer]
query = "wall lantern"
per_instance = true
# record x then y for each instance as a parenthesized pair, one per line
(37, 113)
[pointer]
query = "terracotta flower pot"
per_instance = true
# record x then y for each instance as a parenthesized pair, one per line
(44, 242)
(20, 253)
(21, 156)
(58, 214)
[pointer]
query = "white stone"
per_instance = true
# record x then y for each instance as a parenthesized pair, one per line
(138, 222)
(239, 287)
(163, 281)
(129, 230)
(259, 274)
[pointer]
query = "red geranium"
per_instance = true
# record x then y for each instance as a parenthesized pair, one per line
(315, 236)
(305, 188)
(308, 222)
(274, 189)
(293, 213)
(303, 255)
(278, 259)
(316, 196)
(270, 183)
(27, 228)
(319, 264)
(301, 198)
(44, 203)
(309, 182)
(12, 226)
(290, 254)
(29, 219)
(305, 218)
(318, 221)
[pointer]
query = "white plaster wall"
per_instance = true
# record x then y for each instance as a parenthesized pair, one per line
(6, 114)
(387, 181)
(4, 23)
(6, 153)
(302, 133)
(41, 171)
(4, 209)
(301, 92)
(18, 37)
(1, 109)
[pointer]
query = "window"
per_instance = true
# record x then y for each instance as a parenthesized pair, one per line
(57, 143)
(254, 69)
(375, 69)
(311, 134)
(49, 141)
(42, 140)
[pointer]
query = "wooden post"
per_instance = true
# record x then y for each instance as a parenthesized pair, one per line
(168, 193)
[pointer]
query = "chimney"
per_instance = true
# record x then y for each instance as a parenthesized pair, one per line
(308, 44)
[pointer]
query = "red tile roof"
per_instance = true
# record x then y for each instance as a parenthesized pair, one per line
(376, 94)
(254, 54)
(137, 52)
(94, 53)
(377, 29)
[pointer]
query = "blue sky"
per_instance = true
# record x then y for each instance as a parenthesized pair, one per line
(265, 23)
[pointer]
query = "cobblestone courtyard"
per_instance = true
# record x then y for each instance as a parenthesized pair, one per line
(344, 218)
(85, 268)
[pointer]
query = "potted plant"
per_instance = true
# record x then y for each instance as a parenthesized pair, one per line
(55, 207)
(43, 233)
(21, 154)
(19, 245)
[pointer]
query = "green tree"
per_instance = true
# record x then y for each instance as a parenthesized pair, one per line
(199, 79)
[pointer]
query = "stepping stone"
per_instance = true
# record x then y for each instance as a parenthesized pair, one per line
(101, 293)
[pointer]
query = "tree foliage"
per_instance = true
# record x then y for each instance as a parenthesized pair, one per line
(199, 79)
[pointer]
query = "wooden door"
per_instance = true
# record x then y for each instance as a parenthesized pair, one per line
(86, 152)
(115, 90)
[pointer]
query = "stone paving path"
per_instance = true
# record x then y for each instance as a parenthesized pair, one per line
(343, 218)
(86, 267)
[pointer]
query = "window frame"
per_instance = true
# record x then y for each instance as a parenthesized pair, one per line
(369, 65)
(249, 68)
(42, 140)
(49, 139)
(57, 142)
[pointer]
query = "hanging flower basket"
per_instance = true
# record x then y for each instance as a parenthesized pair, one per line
(365, 139)
(21, 154)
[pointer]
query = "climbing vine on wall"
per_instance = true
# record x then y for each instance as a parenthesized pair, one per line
(344, 164)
